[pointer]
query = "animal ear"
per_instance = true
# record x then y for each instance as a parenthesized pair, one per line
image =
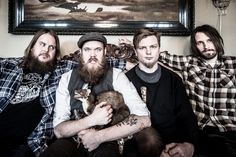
(76, 91)
(89, 91)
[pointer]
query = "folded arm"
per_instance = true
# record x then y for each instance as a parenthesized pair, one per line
(92, 139)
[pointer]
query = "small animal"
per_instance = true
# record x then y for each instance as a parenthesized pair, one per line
(148, 140)
(113, 98)
(86, 98)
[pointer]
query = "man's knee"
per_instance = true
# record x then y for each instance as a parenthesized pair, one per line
(64, 147)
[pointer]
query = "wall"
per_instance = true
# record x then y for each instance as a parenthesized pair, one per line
(205, 13)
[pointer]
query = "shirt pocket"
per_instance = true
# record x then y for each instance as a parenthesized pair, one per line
(227, 80)
(196, 76)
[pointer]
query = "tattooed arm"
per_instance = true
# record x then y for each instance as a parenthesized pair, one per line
(93, 138)
(138, 119)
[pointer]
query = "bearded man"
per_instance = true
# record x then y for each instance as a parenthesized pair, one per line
(93, 74)
(210, 81)
(27, 96)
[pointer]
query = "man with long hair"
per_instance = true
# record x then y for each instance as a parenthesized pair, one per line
(27, 86)
(27, 95)
(69, 122)
(210, 81)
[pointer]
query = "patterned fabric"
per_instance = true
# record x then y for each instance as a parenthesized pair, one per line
(11, 76)
(29, 89)
(10, 80)
(117, 63)
(211, 90)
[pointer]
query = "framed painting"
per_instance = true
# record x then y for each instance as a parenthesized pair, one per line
(111, 17)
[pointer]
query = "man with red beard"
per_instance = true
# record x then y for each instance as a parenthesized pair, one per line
(27, 96)
(93, 74)
(210, 81)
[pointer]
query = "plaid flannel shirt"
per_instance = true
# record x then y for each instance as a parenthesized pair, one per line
(11, 76)
(117, 63)
(10, 80)
(211, 90)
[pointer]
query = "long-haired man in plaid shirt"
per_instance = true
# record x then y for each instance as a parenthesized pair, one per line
(210, 81)
(27, 95)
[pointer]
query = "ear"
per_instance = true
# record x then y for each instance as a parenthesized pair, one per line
(89, 91)
(80, 51)
(135, 52)
(105, 51)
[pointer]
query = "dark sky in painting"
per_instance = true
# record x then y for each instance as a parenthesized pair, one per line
(102, 10)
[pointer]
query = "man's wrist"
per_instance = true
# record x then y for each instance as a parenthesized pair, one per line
(90, 121)
(100, 136)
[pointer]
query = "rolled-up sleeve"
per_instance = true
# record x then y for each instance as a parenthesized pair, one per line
(62, 108)
(131, 97)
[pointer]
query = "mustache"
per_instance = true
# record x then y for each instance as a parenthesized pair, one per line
(92, 59)
(44, 54)
(205, 50)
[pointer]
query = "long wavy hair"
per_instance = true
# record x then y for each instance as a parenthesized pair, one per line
(213, 34)
(27, 53)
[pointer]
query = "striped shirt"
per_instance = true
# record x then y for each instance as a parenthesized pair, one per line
(211, 90)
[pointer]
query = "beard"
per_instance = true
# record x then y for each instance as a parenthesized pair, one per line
(208, 54)
(92, 75)
(34, 65)
(148, 64)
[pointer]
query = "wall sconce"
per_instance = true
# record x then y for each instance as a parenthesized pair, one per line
(221, 6)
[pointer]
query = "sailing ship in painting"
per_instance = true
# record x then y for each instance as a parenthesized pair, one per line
(105, 10)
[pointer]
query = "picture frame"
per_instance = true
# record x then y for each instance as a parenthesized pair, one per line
(20, 24)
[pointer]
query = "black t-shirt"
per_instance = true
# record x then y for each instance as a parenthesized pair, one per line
(171, 112)
(23, 113)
